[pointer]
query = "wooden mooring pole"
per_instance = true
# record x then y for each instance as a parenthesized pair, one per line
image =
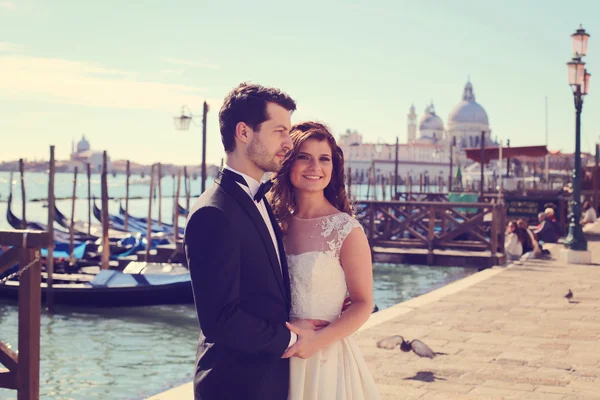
(176, 219)
(89, 197)
(149, 221)
(188, 189)
(482, 161)
(204, 114)
(127, 175)
(72, 230)
(159, 194)
(23, 197)
(50, 258)
(105, 225)
(349, 179)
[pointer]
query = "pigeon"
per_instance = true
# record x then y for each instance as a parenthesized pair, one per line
(569, 295)
(418, 347)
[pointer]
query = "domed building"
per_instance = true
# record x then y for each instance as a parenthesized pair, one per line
(431, 126)
(82, 155)
(83, 145)
(467, 120)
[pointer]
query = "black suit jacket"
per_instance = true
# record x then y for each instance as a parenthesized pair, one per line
(242, 297)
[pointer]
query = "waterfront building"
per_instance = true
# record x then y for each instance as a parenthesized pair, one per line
(426, 151)
(83, 154)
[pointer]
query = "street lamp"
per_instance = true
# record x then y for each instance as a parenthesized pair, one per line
(579, 80)
(182, 123)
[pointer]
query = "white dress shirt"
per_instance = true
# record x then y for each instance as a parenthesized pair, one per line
(251, 190)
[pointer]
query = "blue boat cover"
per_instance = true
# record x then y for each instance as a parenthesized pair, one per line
(112, 278)
(61, 250)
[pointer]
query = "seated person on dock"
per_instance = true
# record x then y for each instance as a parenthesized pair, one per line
(536, 250)
(512, 244)
(547, 231)
(588, 214)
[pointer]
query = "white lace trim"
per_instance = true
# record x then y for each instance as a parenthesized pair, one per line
(343, 224)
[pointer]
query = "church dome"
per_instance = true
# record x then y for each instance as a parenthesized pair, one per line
(430, 121)
(83, 145)
(468, 110)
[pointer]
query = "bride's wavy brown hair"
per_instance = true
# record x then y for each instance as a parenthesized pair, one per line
(282, 196)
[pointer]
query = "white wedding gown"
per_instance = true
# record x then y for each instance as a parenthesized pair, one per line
(318, 288)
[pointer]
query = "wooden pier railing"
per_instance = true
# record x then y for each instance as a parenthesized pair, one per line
(473, 227)
(518, 205)
(22, 371)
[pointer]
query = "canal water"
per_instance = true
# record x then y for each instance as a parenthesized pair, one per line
(36, 189)
(132, 353)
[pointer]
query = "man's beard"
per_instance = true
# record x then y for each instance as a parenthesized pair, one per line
(259, 155)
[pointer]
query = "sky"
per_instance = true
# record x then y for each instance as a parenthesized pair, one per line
(118, 72)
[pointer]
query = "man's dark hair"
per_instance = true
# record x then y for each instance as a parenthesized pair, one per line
(248, 103)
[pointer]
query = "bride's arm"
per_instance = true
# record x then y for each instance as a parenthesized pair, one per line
(355, 257)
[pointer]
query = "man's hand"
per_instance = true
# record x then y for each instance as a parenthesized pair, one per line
(308, 342)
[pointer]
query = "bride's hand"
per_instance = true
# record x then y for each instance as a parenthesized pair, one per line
(308, 342)
(313, 324)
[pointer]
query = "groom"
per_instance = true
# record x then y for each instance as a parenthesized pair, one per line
(236, 258)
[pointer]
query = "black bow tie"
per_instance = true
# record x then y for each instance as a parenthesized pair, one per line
(262, 190)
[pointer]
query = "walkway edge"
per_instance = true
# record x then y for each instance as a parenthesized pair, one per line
(427, 298)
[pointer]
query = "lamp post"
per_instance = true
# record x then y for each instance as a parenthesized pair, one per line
(579, 80)
(182, 123)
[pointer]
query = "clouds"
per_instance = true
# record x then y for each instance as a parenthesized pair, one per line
(10, 47)
(76, 82)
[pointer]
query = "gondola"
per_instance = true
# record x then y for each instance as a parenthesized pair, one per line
(110, 288)
(182, 211)
(115, 222)
(118, 223)
(65, 222)
(163, 226)
(59, 235)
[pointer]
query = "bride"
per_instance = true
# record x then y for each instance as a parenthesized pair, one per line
(328, 256)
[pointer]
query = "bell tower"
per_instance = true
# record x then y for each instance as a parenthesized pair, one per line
(411, 131)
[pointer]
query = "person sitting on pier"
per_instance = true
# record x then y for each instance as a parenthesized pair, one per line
(589, 214)
(547, 231)
(532, 243)
(512, 244)
(536, 250)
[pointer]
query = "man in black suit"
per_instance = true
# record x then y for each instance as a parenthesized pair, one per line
(236, 258)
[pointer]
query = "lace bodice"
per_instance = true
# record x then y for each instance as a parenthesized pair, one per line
(317, 280)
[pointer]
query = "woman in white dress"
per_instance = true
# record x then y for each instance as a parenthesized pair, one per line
(328, 256)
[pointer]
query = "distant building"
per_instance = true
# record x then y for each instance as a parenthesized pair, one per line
(83, 154)
(427, 149)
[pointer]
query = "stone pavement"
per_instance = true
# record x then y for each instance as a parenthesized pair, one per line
(511, 335)
(508, 333)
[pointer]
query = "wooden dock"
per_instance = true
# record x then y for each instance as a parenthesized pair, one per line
(434, 233)
(508, 333)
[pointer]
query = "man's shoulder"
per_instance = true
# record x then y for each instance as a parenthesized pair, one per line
(213, 199)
